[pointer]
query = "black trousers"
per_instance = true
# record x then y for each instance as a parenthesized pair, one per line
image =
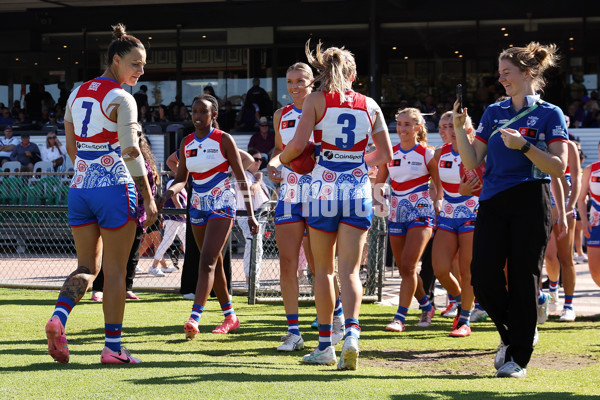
(426, 274)
(132, 262)
(513, 227)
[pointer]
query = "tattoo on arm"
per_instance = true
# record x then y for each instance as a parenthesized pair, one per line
(77, 283)
(141, 183)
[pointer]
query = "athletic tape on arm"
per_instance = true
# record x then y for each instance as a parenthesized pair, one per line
(127, 128)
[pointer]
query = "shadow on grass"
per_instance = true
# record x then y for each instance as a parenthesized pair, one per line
(452, 394)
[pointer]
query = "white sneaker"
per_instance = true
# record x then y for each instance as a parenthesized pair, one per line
(156, 272)
(396, 326)
(324, 357)
(291, 343)
(500, 355)
(568, 315)
(349, 355)
(580, 259)
(168, 270)
(553, 306)
(478, 315)
(425, 320)
(542, 309)
(138, 269)
(339, 329)
(536, 337)
(189, 296)
(511, 370)
(450, 311)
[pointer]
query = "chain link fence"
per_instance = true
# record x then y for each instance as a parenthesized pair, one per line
(37, 249)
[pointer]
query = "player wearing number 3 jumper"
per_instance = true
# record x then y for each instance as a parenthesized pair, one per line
(101, 132)
(340, 197)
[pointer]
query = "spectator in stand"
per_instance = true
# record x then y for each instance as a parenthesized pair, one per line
(6, 118)
(260, 97)
(263, 140)
(141, 97)
(21, 119)
(160, 114)
(249, 115)
(174, 112)
(26, 152)
(47, 99)
(576, 114)
(7, 144)
(226, 117)
(54, 151)
(210, 90)
(53, 122)
(144, 114)
(184, 114)
(33, 102)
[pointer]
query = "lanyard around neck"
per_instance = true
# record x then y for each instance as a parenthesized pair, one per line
(517, 117)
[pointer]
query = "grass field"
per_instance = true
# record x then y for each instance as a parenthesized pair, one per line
(417, 364)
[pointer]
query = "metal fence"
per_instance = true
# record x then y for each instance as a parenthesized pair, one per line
(37, 249)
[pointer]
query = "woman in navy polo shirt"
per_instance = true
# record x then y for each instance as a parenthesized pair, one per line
(524, 139)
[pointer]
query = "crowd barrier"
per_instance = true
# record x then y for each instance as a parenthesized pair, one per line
(37, 248)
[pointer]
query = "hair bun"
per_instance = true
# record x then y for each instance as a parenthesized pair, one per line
(118, 31)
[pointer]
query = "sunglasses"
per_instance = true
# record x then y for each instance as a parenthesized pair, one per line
(263, 125)
(51, 137)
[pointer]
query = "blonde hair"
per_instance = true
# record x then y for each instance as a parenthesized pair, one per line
(300, 66)
(469, 122)
(417, 117)
(335, 67)
(534, 58)
(57, 142)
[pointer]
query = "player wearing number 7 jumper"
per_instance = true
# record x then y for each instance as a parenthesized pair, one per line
(340, 198)
(101, 133)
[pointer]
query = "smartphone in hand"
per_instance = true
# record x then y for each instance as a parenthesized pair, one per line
(459, 97)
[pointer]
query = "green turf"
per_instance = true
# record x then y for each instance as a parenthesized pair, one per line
(417, 364)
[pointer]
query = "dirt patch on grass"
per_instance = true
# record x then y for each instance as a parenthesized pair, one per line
(465, 362)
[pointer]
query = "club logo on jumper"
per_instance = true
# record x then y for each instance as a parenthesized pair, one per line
(107, 161)
(329, 176)
(595, 179)
(528, 132)
(348, 99)
(532, 120)
(395, 163)
(94, 86)
(288, 124)
(191, 153)
(84, 146)
(445, 164)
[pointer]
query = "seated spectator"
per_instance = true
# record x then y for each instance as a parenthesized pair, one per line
(54, 151)
(144, 114)
(160, 114)
(248, 115)
(263, 140)
(184, 114)
(210, 90)
(7, 144)
(52, 121)
(5, 117)
(22, 119)
(26, 152)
